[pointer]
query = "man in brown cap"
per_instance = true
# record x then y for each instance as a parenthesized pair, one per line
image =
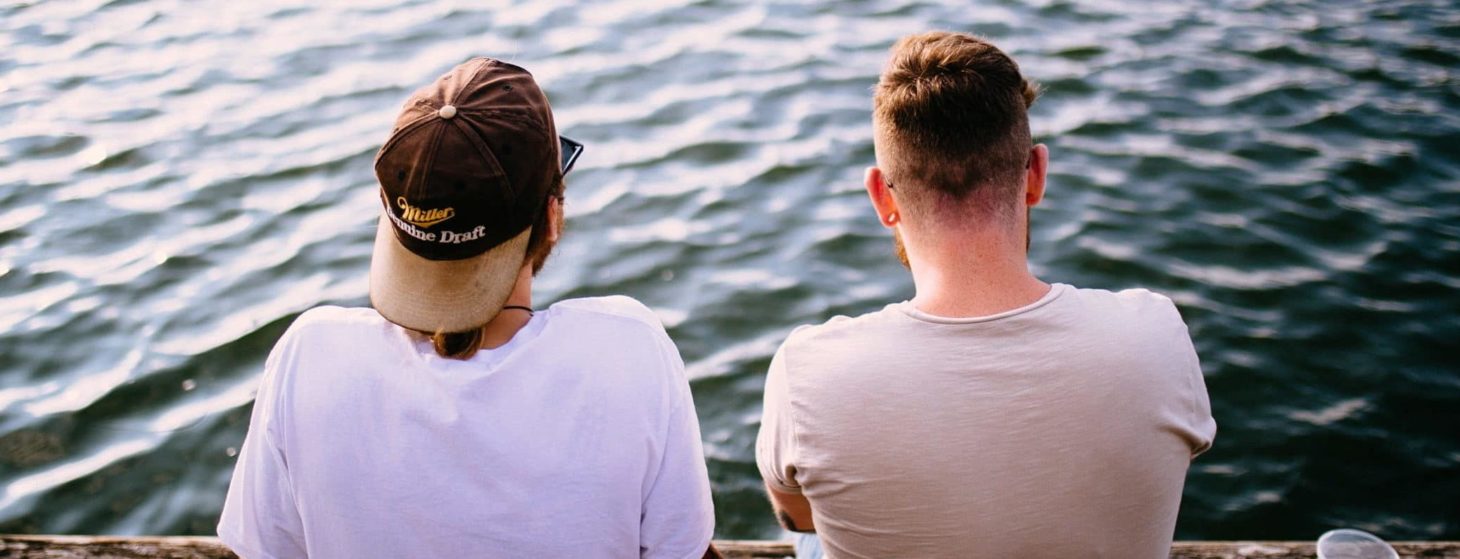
(453, 420)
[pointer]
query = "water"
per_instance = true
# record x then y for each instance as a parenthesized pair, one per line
(179, 180)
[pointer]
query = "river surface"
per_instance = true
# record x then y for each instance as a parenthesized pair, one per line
(180, 179)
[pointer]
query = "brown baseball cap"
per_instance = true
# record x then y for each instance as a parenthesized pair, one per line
(465, 173)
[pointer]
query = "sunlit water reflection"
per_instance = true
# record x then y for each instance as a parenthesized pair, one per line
(179, 180)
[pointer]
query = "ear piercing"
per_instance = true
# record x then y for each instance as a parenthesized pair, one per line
(891, 219)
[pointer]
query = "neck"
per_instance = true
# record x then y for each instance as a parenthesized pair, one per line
(506, 324)
(972, 273)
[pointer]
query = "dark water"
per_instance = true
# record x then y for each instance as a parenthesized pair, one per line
(179, 180)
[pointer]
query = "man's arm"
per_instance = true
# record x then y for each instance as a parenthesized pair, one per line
(792, 509)
(260, 517)
(678, 515)
(775, 448)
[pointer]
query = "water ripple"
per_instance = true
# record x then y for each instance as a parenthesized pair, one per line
(178, 180)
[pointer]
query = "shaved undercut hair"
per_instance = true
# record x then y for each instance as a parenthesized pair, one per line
(951, 115)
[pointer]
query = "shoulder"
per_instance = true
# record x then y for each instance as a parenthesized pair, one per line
(842, 341)
(1141, 321)
(330, 316)
(622, 339)
(611, 318)
(329, 328)
(613, 308)
(317, 335)
(841, 327)
(1137, 304)
(328, 321)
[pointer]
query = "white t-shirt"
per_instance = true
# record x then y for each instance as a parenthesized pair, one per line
(1060, 429)
(578, 438)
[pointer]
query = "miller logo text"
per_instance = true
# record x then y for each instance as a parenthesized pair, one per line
(422, 217)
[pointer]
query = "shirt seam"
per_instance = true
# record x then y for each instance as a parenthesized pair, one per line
(1055, 292)
(1193, 374)
(679, 394)
(615, 315)
(275, 437)
(233, 539)
(791, 419)
(708, 535)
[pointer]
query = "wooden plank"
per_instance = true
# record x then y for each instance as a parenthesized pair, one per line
(190, 547)
(112, 547)
(747, 549)
(1297, 550)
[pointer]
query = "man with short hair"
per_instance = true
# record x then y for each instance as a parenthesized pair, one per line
(993, 414)
(453, 419)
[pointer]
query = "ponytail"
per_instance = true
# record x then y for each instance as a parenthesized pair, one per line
(458, 345)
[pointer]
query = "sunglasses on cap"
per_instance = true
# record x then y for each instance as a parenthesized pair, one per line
(570, 150)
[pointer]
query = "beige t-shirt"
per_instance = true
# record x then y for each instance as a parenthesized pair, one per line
(1060, 429)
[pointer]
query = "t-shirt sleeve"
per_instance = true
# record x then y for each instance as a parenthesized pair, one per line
(259, 518)
(678, 515)
(1199, 428)
(1203, 425)
(775, 446)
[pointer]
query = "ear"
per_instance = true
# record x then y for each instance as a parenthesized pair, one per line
(882, 201)
(555, 218)
(1034, 176)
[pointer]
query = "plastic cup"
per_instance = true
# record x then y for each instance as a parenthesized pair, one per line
(1347, 543)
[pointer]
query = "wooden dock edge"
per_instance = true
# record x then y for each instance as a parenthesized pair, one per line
(196, 547)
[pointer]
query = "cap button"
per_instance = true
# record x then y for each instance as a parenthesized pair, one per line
(447, 111)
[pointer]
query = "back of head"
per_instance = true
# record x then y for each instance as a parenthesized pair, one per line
(952, 126)
(466, 179)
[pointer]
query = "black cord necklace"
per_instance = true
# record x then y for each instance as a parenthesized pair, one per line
(520, 308)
